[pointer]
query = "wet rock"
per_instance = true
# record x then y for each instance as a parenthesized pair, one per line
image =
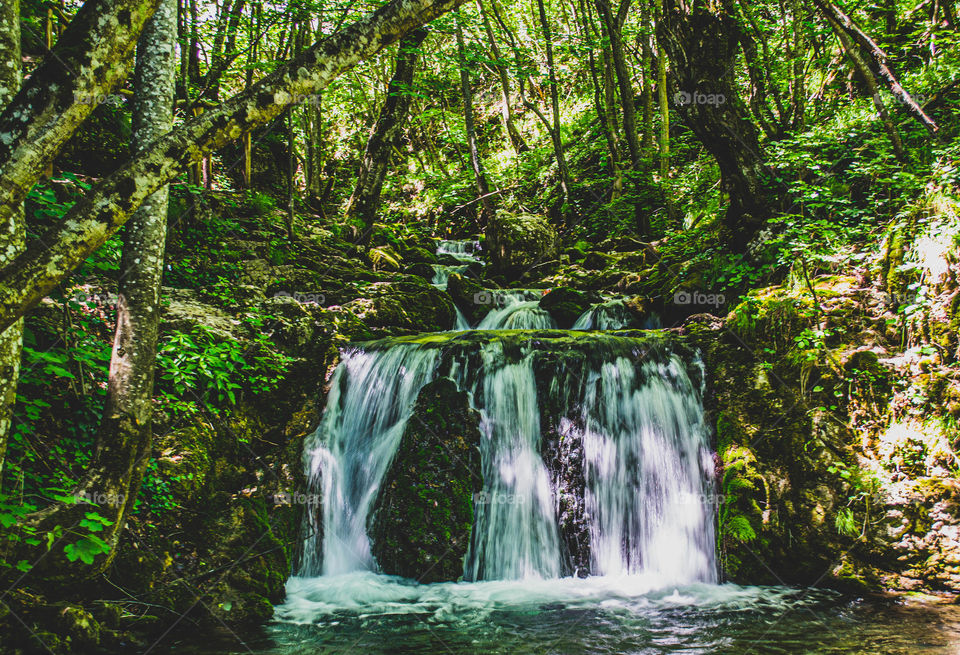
(469, 296)
(597, 261)
(398, 307)
(417, 255)
(424, 510)
(518, 242)
(565, 305)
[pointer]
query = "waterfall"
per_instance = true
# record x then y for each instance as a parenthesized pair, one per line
(629, 406)
(647, 499)
(462, 250)
(517, 309)
(371, 396)
(611, 315)
(515, 535)
(442, 273)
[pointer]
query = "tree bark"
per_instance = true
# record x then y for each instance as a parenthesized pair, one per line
(106, 207)
(125, 435)
(516, 141)
(90, 59)
(555, 133)
(13, 234)
(487, 210)
(861, 66)
(878, 58)
(701, 45)
(603, 102)
(611, 25)
(386, 134)
(646, 92)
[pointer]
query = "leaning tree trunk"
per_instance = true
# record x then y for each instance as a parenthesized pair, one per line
(386, 134)
(92, 220)
(701, 46)
(90, 59)
(877, 58)
(124, 440)
(12, 236)
(861, 66)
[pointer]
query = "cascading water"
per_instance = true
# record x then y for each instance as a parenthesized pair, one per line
(611, 315)
(646, 493)
(517, 309)
(515, 534)
(632, 408)
(371, 396)
(462, 250)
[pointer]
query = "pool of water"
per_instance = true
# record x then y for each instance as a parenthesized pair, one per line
(370, 614)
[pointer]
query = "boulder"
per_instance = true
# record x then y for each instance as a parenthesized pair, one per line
(417, 255)
(565, 305)
(597, 261)
(424, 511)
(517, 242)
(398, 307)
(469, 295)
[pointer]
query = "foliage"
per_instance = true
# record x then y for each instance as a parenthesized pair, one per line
(211, 370)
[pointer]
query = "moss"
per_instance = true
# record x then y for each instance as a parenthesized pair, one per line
(565, 305)
(423, 515)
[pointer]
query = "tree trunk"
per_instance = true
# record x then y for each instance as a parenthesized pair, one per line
(107, 206)
(124, 440)
(611, 28)
(90, 59)
(872, 87)
(839, 20)
(701, 46)
(386, 134)
(646, 93)
(487, 209)
(603, 101)
(509, 126)
(555, 133)
(663, 137)
(291, 176)
(13, 235)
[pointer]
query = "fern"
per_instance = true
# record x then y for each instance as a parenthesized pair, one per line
(739, 528)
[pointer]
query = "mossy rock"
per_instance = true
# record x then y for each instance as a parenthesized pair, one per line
(565, 305)
(466, 292)
(397, 307)
(517, 242)
(423, 514)
(597, 261)
(417, 255)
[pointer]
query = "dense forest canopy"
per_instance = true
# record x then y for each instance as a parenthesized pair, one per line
(206, 201)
